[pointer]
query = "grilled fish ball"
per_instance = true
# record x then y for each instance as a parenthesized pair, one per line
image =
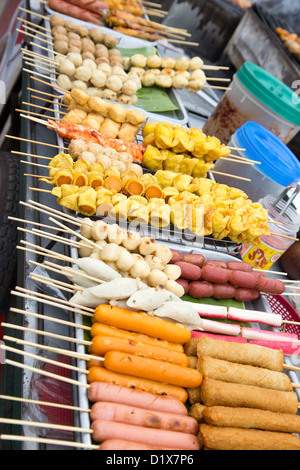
(67, 67)
(64, 82)
(109, 40)
(75, 58)
(153, 61)
(96, 34)
(62, 47)
(56, 20)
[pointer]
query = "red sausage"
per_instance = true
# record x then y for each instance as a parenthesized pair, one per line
(224, 291)
(100, 391)
(215, 274)
(104, 430)
(201, 289)
(176, 256)
(189, 271)
(141, 417)
(246, 295)
(184, 283)
(243, 279)
(214, 262)
(270, 286)
(193, 258)
(239, 266)
(121, 444)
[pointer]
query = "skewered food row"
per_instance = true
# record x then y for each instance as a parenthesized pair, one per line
(245, 401)
(108, 157)
(111, 119)
(240, 219)
(290, 41)
(76, 131)
(168, 72)
(87, 59)
(130, 255)
(211, 278)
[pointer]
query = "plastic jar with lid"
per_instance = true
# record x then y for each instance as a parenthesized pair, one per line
(272, 166)
(255, 95)
(273, 246)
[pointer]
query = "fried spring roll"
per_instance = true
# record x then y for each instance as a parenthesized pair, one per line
(219, 438)
(249, 418)
(242, 353)
(243, 374)
(196, 412)
(217, 392)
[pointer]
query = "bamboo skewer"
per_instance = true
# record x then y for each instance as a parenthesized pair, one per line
(45, 440)
(49, 101)
(46, 373)
(62, 303)
(31, 222)
(50, 211)
(45, 403)
(44, 359)
(31, 155)
(37, 114)
(34, 13)
(33, 142)
(42, 68)
(39, 56)
(43, 108)
(49, 282)
(32, 24)
(26, 27)
(284, 236)
(65, 352)
(35, 36)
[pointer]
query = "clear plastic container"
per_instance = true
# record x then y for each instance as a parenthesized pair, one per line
(255, 95)
(272, 246)
(278, 167)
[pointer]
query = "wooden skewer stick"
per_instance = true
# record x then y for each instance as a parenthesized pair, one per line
(49, 101)
(32, 24)
(45, 49)
(269, 271)
(66, 270)
(31, 222)
(49, 282)
(44, 122)
(39, 56)
(37, 114)
(44, 359)
(43, 107)
(215, 67)
(49, 210)
(45, 403)
(181, 41)
(217, 87)
(49, 84)
(41, 67)
(236, 161)
(218, 79)
(284, 236)
(33, 142)
(65, 352)
(51, 298)
(73, 232)
(31, 155)
(35, 36)
(34, 13)
(45, 440)
(56, 238)
(44, 333)
(26, 27)
(238, 157)
(37, 74)
(231, 176)
(46, 373)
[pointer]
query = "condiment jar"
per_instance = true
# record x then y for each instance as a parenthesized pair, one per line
(272, 246)
(255, 95)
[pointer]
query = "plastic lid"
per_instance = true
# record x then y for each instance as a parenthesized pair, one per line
(277, 161)
(272, 92)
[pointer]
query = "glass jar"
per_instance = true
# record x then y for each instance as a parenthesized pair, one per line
(272, 246)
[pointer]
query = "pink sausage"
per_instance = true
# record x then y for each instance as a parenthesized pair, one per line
(246, 295)
(189, 271)
(176, 256)
(214, 262)
(239, 266)
(100, 391)
(184, 283)
(201, 289)
(141, 417)
(121, 444)
(193, 258)
(224, 291)
(270, 286)
(242, 279)
(215, 274)
(104, 430)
